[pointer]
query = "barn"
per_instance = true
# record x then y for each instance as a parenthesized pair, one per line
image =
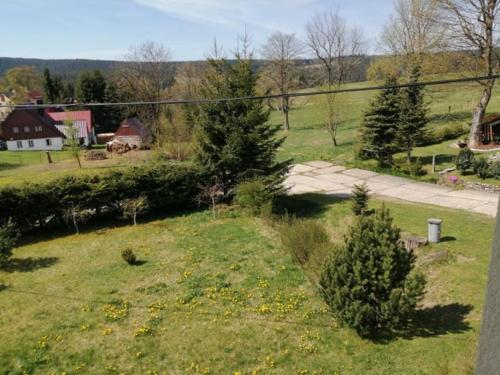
(134, 133)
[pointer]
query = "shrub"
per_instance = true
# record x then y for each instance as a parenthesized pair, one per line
(368, 281)
(9, 236)
(495, 169)
(129, 257)
(464, 160)
(481, 168)
(412, 169)
(359, 199)
(302, 238)
(133, 207)
(165, 186)
(253, 195)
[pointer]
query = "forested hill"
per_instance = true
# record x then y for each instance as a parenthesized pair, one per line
(71, 68)
(66, 67)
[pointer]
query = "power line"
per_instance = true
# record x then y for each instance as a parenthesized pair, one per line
(260, 97)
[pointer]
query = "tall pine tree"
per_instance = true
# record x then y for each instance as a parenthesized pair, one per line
(380, 126)
(413, 114)
(234, 140)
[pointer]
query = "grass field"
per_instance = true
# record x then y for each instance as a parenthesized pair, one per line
(221, 296)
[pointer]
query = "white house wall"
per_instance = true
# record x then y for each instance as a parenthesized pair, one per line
(38, 145)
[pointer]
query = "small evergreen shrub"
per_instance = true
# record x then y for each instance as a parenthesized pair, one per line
(9, 235)
(253, 196)
(368, 281)
(302, 238)
(464, 160)
(481, 168)
(129, 256)
(359, 199)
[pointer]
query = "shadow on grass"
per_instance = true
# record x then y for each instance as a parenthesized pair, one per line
(139, 263)
(309, 205)
(440, 159)
(433, 321)
(28, 264)
(8, 166)
(3, 287)
(448, 239)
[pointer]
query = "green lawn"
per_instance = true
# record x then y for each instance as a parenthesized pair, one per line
(221, 296)
(308, 140)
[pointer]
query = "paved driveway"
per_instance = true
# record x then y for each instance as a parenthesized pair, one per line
(323, 177)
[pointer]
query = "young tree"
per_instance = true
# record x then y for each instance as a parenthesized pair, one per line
(234, 140)
(413, 114)
(471, 25)
(338, 48)
(359, 199)
(368, 280)
(380, 125)
(72, 141)
(133, 207)
(280, 53)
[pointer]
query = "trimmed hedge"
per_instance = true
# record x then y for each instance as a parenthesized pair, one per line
(167, 187)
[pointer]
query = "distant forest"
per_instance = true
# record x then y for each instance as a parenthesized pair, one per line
(70, 69)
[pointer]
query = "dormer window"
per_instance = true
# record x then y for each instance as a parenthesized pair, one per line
(15, 130)
(38, 129)
(26, 129)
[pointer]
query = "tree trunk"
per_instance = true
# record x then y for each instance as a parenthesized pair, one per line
(284, 109)
(475, 138)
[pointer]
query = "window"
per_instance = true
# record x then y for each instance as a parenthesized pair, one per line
(19, 144)
(15, 130)
(26, 129)
(48, 142)
(38, 129)
(31, 144)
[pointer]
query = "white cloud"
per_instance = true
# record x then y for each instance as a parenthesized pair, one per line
(232, 13)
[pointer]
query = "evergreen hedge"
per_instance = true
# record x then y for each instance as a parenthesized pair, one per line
(166, 187)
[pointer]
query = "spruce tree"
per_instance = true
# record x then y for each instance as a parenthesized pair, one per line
(359, 199)
(234, 140)
(368, 280)
(413, 114)
(380, 126)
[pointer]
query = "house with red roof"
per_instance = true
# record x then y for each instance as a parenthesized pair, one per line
(134, 133)
(31, 130)
(82, 130)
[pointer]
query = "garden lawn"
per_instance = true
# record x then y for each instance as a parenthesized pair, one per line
(221, 296)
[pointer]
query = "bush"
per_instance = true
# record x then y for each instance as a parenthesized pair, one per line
(481, 168)
(253, 196)
(495, 169)
(464, 160)
(302, 238)
(129, 257)
(9, 236)
(359, 199)
(414, 169)
(447, 133)
(166, 187)
(368, 281)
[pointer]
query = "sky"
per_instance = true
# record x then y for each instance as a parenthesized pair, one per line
(107, 29)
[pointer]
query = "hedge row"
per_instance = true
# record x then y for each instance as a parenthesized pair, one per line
(167, 187)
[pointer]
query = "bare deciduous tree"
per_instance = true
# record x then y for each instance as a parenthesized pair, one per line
(280, 53)
(338, 48)
(471, 25)
(144, 76)
(413, 30)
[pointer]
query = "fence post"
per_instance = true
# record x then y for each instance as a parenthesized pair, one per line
(434, 163)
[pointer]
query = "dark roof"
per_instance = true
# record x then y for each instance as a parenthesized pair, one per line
(132, 126)
(30, 118)
(491, 119)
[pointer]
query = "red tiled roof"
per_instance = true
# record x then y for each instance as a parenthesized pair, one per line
(75, 116)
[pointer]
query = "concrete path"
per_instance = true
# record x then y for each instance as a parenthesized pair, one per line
(323, 177)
